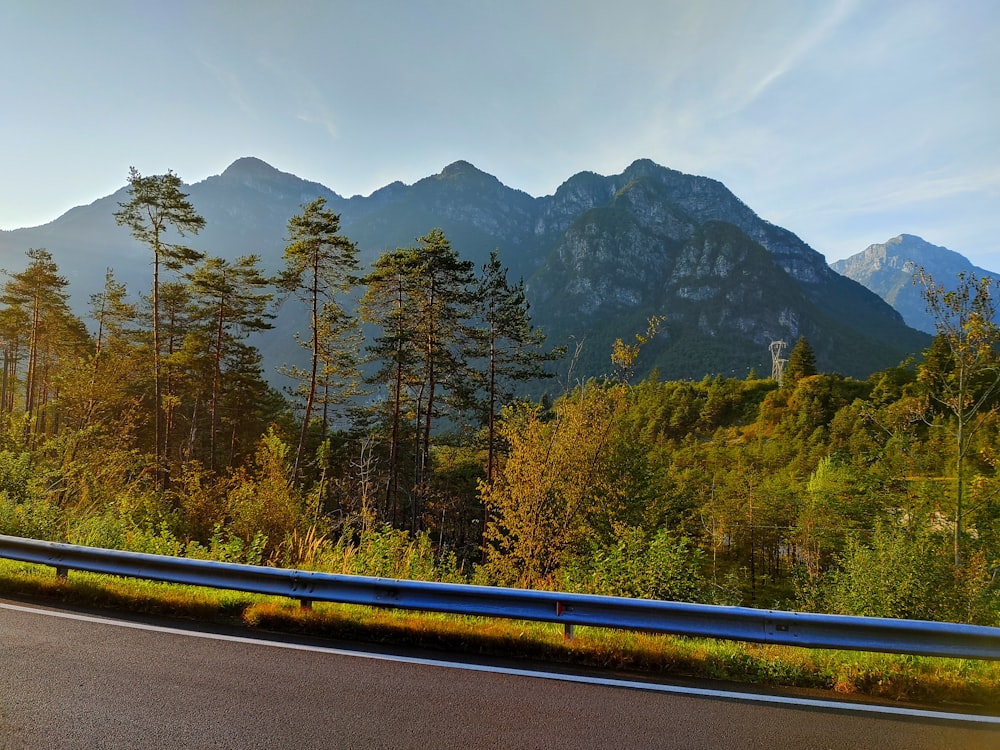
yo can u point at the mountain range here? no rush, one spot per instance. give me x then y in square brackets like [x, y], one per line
[599, 257]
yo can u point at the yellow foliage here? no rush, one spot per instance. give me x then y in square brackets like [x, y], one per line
[555, 481]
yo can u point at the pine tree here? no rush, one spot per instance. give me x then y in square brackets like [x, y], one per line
[114, 347]
[231, 300]
[388, 303]
[155, 207]
[319, 269]
[801, 362]
[508, 342]
[444, 296]
[421, 298]
[36, 301]
[184, 372]
[101, 396]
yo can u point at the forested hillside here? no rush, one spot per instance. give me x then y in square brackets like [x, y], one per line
[149, 426]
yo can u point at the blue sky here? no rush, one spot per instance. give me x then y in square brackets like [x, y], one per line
[844, 121]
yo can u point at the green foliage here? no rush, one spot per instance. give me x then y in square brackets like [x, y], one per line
[827, 493]
[319, 268]
[392, 553]
[837, 501]
[17, 481]
[263, 501]
[136, 519]
[665, 567]
[908, 573]
[225, 546]
[557, 487]
[35, 518]
[510, 345]
[801, 362]
[961, 374]
[25, 510]
[156, 206]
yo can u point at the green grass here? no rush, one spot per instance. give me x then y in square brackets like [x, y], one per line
[948, 683]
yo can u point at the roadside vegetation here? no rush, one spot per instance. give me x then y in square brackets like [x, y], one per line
[947, 684]
[408, 448]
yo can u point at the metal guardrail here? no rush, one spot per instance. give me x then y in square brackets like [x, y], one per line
[804, 629]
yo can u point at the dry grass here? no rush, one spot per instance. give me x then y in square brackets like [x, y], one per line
[971, 684]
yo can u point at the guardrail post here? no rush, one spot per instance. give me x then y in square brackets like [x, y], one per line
[568, 627]
[306, 603]
[62, 572]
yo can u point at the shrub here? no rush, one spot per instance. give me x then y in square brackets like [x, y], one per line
[909, 573]
[665, 567]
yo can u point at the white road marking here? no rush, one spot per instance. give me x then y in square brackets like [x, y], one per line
[816, 703]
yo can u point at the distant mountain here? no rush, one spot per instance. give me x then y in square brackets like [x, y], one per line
[599, 257]
[655, 241]
[888, 270]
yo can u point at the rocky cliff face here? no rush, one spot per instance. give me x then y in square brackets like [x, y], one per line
[600, 256]
[653, 241]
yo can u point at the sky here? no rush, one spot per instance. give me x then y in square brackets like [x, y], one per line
[847, 122]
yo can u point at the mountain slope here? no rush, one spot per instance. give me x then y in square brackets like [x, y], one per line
[600, 256]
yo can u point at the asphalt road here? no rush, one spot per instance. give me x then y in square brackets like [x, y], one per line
[76, 681]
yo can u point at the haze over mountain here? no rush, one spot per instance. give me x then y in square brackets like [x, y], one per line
[599, 256]
[888, 269]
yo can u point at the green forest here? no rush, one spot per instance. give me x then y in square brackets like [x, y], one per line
[406, 443]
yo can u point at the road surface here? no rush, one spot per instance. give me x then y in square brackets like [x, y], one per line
[73, 680]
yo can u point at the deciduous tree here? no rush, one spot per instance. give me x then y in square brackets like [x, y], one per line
[962, 369]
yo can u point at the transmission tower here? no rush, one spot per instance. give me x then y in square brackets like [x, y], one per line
[777, 361]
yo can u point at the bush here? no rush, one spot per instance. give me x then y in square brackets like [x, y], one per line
[35, 518]
[15, 476]
[665, 567]
[263, 502]
[24, 510]
[909, 573]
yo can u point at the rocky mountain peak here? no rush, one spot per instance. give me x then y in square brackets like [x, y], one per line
[249, 169]
[462, 172]
[888, 269]
[255, 177]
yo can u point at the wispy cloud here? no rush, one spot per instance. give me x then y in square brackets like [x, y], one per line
[231, 84]
[930, 187]
[314, 108]
[801, 48]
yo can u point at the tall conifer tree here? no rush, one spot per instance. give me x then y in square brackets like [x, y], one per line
[510, 345]
[156, 207]
[232, 300]
[320, 264]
